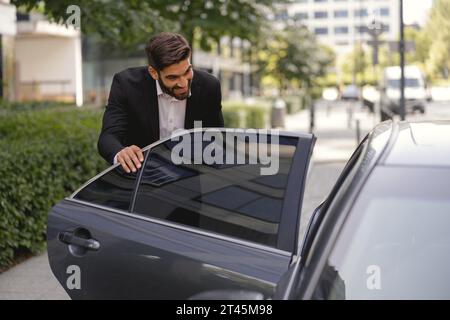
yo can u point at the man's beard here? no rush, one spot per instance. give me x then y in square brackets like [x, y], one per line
[171, 91]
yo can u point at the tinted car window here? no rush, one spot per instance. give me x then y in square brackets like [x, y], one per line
[113, 189]
[310, 223]
[230, 199]
[395, 243]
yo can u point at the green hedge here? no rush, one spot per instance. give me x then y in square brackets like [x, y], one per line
[241, 115]
[9, 106]
[44, 157]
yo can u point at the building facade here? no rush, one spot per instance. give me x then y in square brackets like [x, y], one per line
[341, 24]
[8, 31]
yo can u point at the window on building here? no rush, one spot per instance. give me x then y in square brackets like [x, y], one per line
[320, 14]
[361, 13]
[361, 29]
[340, 13]
[282, 16]
[341, 30]
[321, 31]
[384, 12]
[301, 16]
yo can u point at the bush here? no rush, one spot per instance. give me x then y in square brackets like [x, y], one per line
[44, 157]
[293, 104]
[241, 115]
[9, 106]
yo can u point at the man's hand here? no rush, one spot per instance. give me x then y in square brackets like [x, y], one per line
[130, 158]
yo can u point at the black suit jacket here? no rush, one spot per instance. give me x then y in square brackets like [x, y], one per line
[132, 117]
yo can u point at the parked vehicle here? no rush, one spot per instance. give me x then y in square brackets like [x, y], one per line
[172, 230]
[351, 92]
[416, 92]
[226, 232]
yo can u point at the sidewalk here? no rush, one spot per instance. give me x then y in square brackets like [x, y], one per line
[335, 141]
[31, 280]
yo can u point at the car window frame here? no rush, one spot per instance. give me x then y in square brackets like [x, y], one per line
[321, 210]
[287, 290]
[331, 224]
[287, 230]
[286, 225]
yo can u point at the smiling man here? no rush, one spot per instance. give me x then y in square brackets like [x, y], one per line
[149, 103]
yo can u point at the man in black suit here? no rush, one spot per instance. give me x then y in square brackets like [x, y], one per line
[149, 103]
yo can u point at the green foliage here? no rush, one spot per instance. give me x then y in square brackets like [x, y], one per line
[292, 58]
[438, 34]
[294, 103]
[9, 106]
[241, 115]
[128, 23]
[45, 156]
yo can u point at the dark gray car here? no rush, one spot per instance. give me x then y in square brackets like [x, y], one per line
[384, 231]
[171, 231]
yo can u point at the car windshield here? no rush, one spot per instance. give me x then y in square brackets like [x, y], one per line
[395, 244]
[409, 83]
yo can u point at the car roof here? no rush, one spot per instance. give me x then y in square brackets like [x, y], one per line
[420, 143]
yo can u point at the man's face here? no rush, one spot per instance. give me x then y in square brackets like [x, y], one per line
[176, 79]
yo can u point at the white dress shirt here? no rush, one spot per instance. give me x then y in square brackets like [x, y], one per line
[171, 114]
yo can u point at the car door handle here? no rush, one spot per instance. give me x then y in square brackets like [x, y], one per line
[70, 238]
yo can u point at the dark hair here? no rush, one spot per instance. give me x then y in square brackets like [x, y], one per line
[166, 49]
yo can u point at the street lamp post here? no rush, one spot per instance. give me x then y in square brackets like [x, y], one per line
[375, 29]
[402, 63]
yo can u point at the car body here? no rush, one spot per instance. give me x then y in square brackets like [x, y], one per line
[171, 231]
[416, 93]
[384, 230]
[382, 233]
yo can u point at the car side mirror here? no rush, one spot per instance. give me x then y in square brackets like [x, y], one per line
[228, 295]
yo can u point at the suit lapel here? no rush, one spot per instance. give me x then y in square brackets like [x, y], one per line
[150, 105]
[192, 104]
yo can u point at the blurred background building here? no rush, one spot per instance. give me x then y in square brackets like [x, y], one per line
[43, 60]
[48, 60]
[226, 63]
[341, 23]
[8, 30]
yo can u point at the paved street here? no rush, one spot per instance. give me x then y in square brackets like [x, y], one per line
[33, 279]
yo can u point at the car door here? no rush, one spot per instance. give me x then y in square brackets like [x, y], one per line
[210, 209]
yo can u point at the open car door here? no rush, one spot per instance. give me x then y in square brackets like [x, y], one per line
[210, 209]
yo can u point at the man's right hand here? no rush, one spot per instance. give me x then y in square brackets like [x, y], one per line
[130, 158]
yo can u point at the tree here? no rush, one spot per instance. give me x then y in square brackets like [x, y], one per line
[438, 31]
[292, 57]
[356, 65]
[129, 23]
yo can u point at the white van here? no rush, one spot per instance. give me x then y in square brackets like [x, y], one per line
[415, 90]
